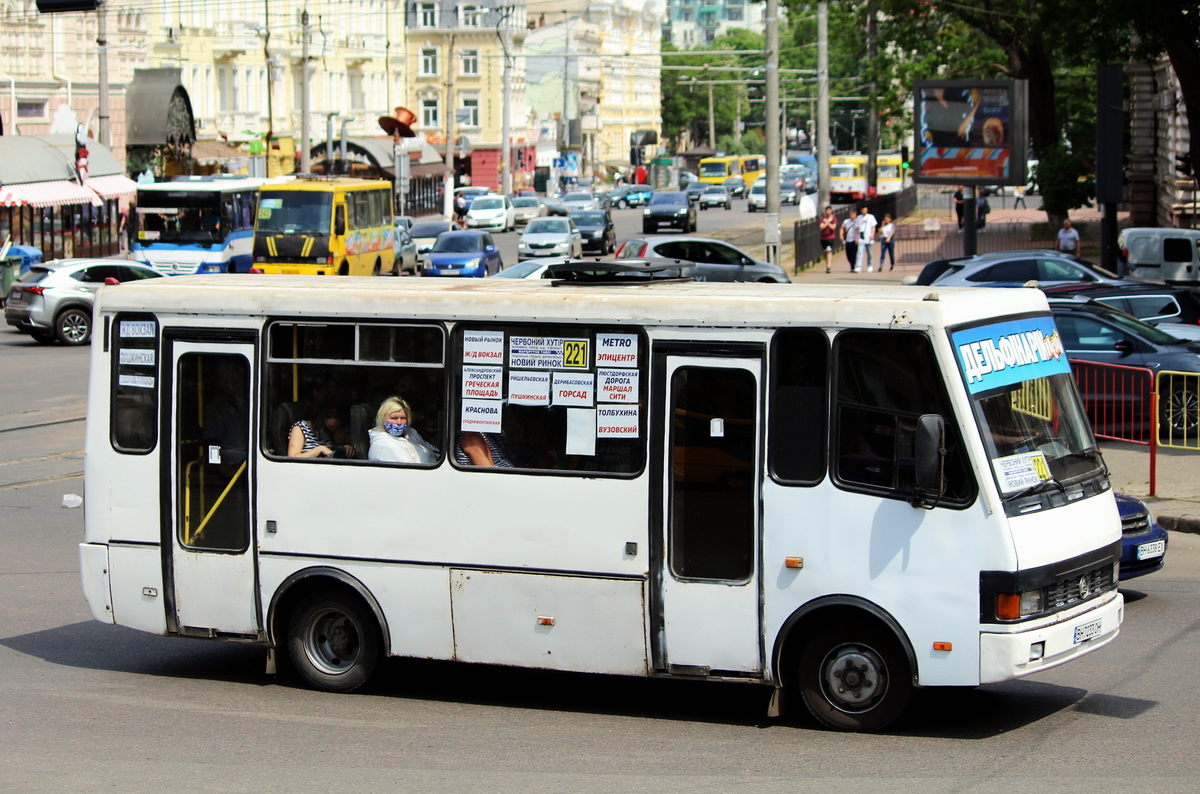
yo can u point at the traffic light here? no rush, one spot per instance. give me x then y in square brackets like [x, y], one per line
[635, 155]
[904, 164]
[1183, 164]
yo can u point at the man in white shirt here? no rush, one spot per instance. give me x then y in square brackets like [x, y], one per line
[865, 223]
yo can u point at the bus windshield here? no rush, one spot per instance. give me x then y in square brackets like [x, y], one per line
[294, 212]
[714, 169]
[180, 218]
[1034, 428]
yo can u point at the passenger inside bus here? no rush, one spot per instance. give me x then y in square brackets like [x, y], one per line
[393, 438]
[481, 449]
[321, 436]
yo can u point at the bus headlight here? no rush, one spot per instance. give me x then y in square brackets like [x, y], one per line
[1012, 606]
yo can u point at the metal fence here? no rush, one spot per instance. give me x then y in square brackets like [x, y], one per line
[806, 235]
[1178, 414]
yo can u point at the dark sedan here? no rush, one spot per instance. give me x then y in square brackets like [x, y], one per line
[670, 208]
[596, 226]
[1143, 540]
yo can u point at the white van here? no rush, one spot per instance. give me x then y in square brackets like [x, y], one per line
[1170, 255]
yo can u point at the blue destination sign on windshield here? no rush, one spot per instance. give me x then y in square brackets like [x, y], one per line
[1002, 354]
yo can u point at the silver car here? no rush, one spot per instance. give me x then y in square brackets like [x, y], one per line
[405, 248]
[527, 208]
[1047, 268]
[715, 260]
[54, 300]
[550, 237]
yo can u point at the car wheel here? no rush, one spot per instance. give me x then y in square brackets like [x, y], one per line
[74, 327]
[854, 677]
[1180, 415]
[333, 641]
[44, 337]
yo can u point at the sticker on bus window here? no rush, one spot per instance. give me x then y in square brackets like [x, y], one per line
[581, 432]
[483, 347]
[617, 385]
[144, 235]
[135, 357]
[1005, 353]
[484, 383]
[618, 421]
[138, 329]
[481, 416]
[572, 388]
[264, 213]
[575, 354]
[271, 204]
[528, 388]
[136, 381]
[1017, 472]
[616, 350]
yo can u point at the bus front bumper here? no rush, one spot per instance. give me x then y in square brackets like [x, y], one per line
[1009, 655]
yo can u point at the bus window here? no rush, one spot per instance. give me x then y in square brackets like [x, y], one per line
[351, 369]
[567, 398]
[799, 405]
[135, 383]
[885, 381]
[292, 211]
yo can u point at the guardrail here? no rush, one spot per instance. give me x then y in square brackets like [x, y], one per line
[1122, 404]
[806, 235]
[1178, 416]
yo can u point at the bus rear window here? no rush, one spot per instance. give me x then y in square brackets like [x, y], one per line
[134, 425]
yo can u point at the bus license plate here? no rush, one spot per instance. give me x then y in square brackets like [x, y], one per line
[1087, 631]
[1148, 551]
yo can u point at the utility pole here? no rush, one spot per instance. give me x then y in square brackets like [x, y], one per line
[102, 73]
[270, 86]
[823, 104]
[305, 132]
[506, 177]
[873, 115]
[771, 230]
[712, 121]
[448, 179]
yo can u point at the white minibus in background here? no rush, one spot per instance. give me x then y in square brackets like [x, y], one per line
[838, 492]
[197, 224]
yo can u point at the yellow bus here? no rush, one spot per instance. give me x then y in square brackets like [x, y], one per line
[716, 170]
[888, 175]
[847, 178]
[753, 166]
[325, 226]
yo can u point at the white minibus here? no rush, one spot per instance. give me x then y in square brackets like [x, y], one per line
[839, 492]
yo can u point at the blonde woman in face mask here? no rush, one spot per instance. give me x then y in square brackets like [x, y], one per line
[391, 439]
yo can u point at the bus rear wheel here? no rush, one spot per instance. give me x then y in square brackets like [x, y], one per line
[333, 641]
[855, 677]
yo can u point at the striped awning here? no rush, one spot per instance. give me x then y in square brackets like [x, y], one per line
[47, 194]
[112, 186]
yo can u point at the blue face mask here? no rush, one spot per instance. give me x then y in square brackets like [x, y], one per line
[395, 430]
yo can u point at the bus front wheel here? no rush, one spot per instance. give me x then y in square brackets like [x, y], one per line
[855, 677]
[333, 641]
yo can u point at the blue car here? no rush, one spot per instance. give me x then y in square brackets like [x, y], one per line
[469, 254]
[1143, 541]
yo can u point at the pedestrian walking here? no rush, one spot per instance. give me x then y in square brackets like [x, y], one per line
[958, 204]
[829, 236]
[849, 236]
[866, 224]
[1020, 199]
[887, 241]
[982, 208]
[1068, 239]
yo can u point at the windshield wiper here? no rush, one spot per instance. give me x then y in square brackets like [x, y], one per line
[1038, 488]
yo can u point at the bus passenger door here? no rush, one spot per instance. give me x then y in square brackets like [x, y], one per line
[211, 573]
[707, 536]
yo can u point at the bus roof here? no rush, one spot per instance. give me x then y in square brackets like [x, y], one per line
[330, 183]
[674, 303]
[202, 186]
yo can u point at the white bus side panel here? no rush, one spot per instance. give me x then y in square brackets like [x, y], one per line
[415, 600]
[137, 587]
[93, 575]
[921, 567]
[555, 622]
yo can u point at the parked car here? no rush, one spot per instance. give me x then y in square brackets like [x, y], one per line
[1143, 540]
[597, 229]
[1095, 332]
[736, 186]
[1167, 254]
[757, 197]
[467, 253]
[579, 200]
[1175, 310]
[530, 268]
[425, 233]
[526, 208]
[670, 208]
[406, 221]
[549, 237]
[694, 190]
[715, 260]
[716, 196]
[492, 212]
[623, 196]
[53, 300]
[1047, 268]
[406, 259]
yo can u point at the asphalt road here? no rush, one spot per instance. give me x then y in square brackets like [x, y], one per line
[89, 706]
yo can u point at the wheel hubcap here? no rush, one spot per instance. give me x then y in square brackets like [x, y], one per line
[74, 327]
[331, 642]
[854, 678]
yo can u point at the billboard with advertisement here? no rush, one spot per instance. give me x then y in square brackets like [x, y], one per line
[970, 132]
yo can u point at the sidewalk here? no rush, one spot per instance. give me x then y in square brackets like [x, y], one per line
[1177, 504]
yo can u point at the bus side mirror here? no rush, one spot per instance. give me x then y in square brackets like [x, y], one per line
[339, 225]
[930, 458]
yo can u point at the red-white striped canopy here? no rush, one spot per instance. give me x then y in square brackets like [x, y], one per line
[47, 194]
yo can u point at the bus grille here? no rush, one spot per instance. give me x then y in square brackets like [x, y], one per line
[1076, 589]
